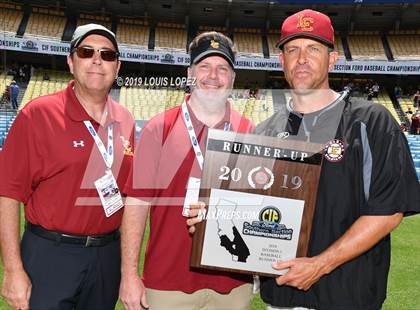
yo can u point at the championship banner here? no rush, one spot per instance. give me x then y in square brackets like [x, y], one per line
[130, 53]
[260, 194]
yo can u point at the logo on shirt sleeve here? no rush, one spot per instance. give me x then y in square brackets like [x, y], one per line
[128, 149]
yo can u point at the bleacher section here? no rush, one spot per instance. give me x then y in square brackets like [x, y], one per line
[339, 46]
[414, 143]
[39, 87]
[146, 103]
[46, 23]
[96, 19]
[133, 31]
[273, 38]
[202, 29]
[255, 109]
[6, 121]
[10, 17]
[405, 45]
[366, 45]
[5, 81]
[385, 100]
[407, 104]
[170, 36]
[248, 41]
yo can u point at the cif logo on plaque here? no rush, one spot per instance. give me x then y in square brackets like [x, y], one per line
[268, 225]
[270, 214]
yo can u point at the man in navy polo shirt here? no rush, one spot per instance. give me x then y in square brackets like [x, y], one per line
[65, 158]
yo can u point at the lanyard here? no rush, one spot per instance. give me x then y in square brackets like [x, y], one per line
[193, 137]
[107, 155]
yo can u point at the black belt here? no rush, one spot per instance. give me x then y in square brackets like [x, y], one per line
[86, 241]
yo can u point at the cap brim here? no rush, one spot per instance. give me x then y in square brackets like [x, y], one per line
[304, 35]
[209, 53]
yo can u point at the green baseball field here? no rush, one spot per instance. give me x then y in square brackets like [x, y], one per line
[404, 278]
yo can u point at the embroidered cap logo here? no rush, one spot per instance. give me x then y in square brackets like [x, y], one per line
[214, 44]
[305, 23]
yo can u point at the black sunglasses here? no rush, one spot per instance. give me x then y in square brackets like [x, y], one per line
[87, 52]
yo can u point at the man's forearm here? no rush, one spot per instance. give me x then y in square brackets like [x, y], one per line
[9, 234]
[360, 237]
[132, 232]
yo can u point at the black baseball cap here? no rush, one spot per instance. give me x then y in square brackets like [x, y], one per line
[210, 47]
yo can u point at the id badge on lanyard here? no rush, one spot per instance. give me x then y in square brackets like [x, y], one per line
[193, 186]
[106, 185]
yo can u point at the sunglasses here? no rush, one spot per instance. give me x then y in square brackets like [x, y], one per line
[87, 52]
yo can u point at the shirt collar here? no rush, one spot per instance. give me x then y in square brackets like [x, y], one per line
[333, 104]
[77, 113]
[220, 125]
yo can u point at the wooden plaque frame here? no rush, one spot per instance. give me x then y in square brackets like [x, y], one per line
[285, 157]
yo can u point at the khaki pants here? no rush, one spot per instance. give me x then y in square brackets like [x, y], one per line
[205, 299]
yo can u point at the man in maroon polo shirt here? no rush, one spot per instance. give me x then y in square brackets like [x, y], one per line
[65, 157]
[168, 160]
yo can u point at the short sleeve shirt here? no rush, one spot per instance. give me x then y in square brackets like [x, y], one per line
[164, 161]
[50, 162]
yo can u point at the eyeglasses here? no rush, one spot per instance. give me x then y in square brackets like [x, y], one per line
[87, 52]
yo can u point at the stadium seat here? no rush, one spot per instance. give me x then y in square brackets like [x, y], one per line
[133, 31]
[145, 103]
[49, 24]
[96, 19]
[404, 46]
[255, 109]
[37, 86]
[366, 45]
[385, 100]
[248, 41]
[170, 36]
[10, 17]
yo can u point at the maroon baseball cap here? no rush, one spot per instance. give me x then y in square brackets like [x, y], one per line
[307, 24]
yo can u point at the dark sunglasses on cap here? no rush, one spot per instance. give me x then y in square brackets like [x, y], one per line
[87, 52]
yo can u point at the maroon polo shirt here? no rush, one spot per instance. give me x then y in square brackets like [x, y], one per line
[163, 162]
[50, 163]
